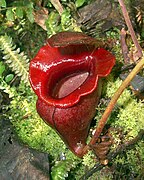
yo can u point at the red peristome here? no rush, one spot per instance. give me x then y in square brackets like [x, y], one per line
[66, 78]
[50, 65]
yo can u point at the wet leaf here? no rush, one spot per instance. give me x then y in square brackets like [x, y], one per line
[10, 15]
[2, 3]
[19, 12]
[2, 68]
[9, 77]
[79, 3]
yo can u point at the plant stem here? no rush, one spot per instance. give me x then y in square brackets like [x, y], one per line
[113, 101]
[124, 47]
[129, 25]
[58, 6]
[124, 84]
[120, 149]
[111, 105]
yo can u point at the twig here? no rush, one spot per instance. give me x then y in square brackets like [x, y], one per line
[124, 45]
[58, 6]
[111, 105]
[124, 84]
[121, 148]
[114, 99]
[40, 17]
[129, 25]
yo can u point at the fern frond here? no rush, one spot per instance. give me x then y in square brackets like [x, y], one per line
[16, 60]
[7, 89]
[61, 169]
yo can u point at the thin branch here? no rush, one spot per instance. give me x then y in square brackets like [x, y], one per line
[124, 47]
[113, 101]
[111, 105]
[129, 25]
[58, 6]
[124, 84]
[40, 17]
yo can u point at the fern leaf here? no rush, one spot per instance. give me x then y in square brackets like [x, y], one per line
[61, 168]
[7, 89]
[16, 60]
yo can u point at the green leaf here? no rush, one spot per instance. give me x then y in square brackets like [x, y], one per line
[19, 12]
[29, 12]
[2, 68]
[61, 168]
[66, 19]
[10, 15]
[2, 3]
[142, 34]
[15, 59]
[52, 23]
[79, 3]
[30, 16]
[9, 77]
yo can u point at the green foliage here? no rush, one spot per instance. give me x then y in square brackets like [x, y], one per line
[29, 12]
[10, 15]
[61, 168]
[6, 88]
[19, 9]
[52, 23]
[4, 80]
[70, 168]
[89, 159]
[79, 3]
[2, 68]
[130, 116]
[9, 77]
[2, 3]
[14, 58]
[19, 12]
[55, 23]
[66, 20]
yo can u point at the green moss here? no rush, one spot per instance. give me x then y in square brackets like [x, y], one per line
[130, 116]
[30, 128]
[89, 159]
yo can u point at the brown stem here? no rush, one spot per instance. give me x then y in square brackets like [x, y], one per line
[121, 148]
[114, 99]
[125, 83]
[58, 6]
[40, 17]
[124, 46]
[129, 25]
[112, 103]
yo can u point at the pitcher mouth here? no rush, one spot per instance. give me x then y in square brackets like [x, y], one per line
[69, 82]
[46, 77]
